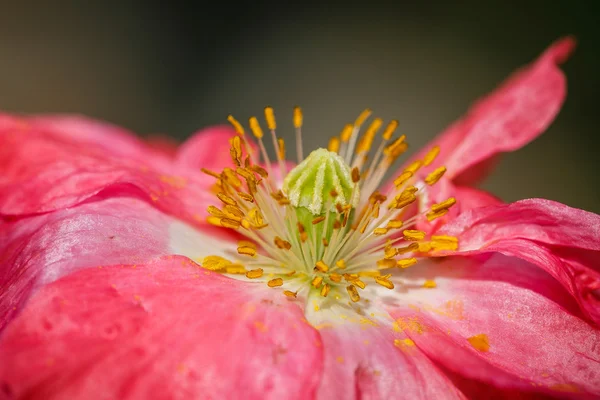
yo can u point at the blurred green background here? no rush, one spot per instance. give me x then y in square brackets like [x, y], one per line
[171, 69]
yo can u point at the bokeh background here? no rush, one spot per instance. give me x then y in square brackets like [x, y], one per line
[171, 68]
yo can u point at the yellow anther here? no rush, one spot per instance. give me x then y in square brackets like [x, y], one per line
[397, 143]
[270, 117]
[216, 221]
[316, 282]
[282, 244]
[247, 243]
[346, 133]
[236, 150]
[408, 249]
[402, 343]
[245, 250]
[275, 282]
[444, 243]
[318, 219]
[233, 212]
[363, 117]
[390, 252]
[334, 144]
[424, 247]
[480, 342]
[236, 269]
[210, 173]
[215, 263]
[435, 215]
[431, 155]
[341, 264]
[413, 235]
[337, 224]
[231, 177]
[246, 197]
[354, 296]
[380, 231]
[325, 242]
[386, 263]
[369, 274]
[367, 140]
[355, 175]
[435, 176]
[236, 125]
[406, 262]
[384, 281]
[321, 266]
[212, 210]
[325, 290]
[414, 166]
[255, 273]
[230, 223]
[359, 283]
[403, 178]
[403, 201]
[255, 128]
[226, 199]
[444, 205]
[390, 129]
[335, 277]
[259, 170]
[297, 118]
[281, 150]
[429, 284]
[290, 294]
[395, 224]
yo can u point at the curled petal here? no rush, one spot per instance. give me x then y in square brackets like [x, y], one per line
[563, 241]
[503, 322]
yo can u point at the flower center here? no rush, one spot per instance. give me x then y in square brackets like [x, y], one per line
[325, 231]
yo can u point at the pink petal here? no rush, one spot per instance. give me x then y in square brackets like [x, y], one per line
[365, 358]
[82, 131]
[513, 115]
[167, 329]
[208, 148]
[503, 322]
[563, 241]
[41, 174]
[40, 249]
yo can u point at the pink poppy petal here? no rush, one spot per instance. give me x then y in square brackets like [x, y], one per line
[563, 241]
[510, 117]
[41, 174]
[83, 131]
[167, 329]
[365, 358]
[501, 321]
[41, 249]
[208, 148]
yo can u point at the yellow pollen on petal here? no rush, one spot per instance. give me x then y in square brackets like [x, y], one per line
[480, 342]
[290, 294]
[429, 284]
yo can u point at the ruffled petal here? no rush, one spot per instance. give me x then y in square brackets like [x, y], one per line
[501, 321]
[561, 240]
[41, 174]
[366, 358]
[512, 116]
[168, 329]
[38, 250]
[208, 148]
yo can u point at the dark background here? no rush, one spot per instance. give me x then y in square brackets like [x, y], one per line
[172, 69]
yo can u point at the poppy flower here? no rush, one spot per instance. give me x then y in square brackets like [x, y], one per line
[133, 271]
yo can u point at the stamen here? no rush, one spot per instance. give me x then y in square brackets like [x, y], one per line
[431, 155]
[407, 262]
[275, 282]
[435, 176]
[290, 294]
[298, 125]
[255, 273]
[325, 290]
[354, 296]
